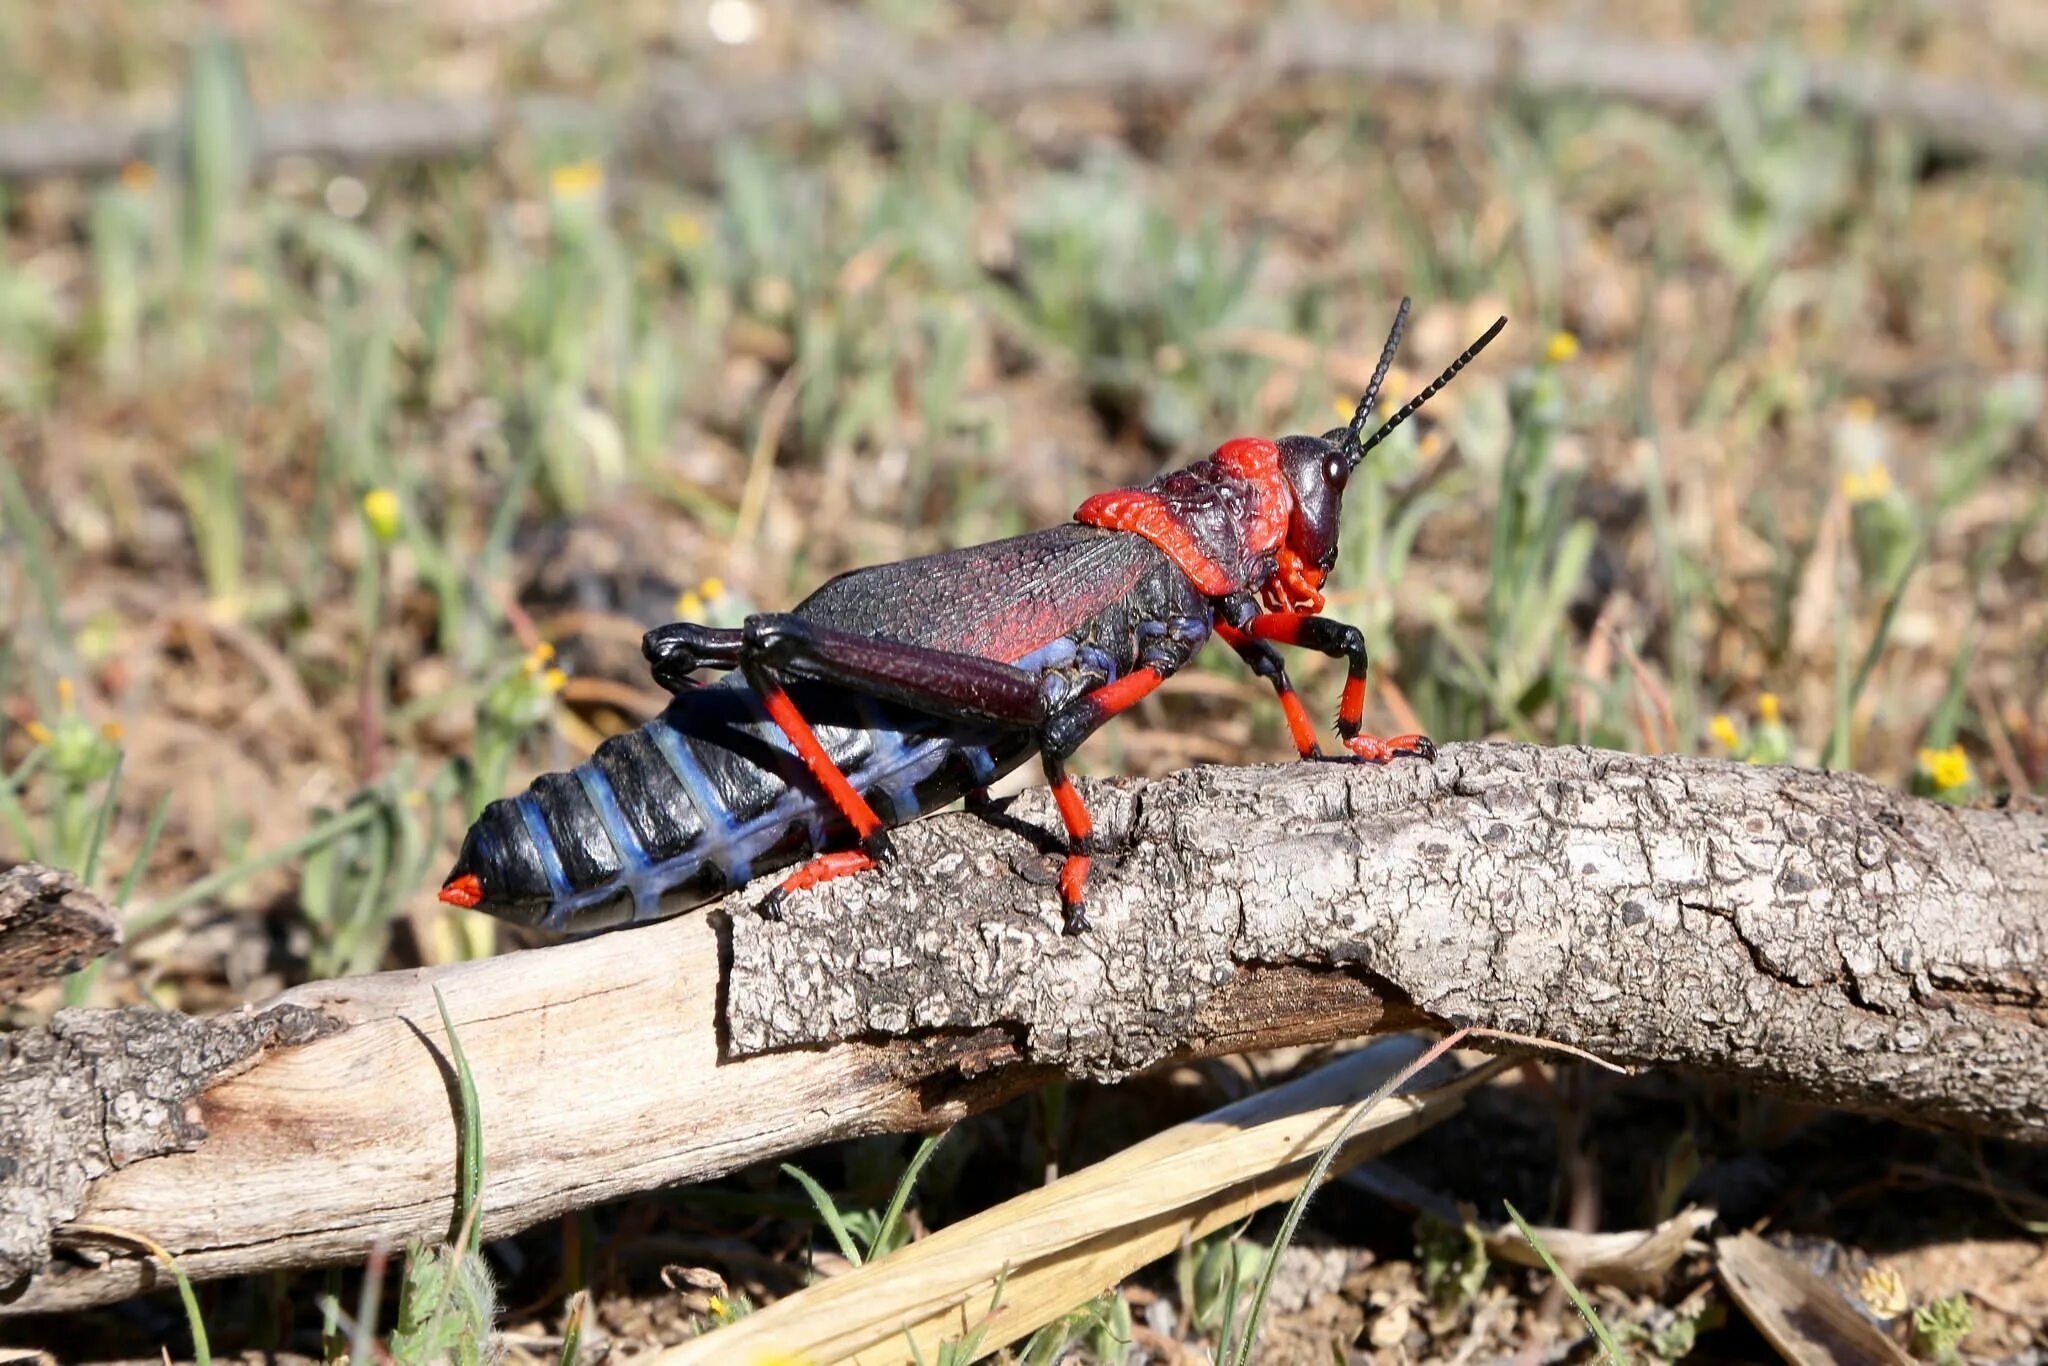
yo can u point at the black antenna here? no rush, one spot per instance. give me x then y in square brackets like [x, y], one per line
[1379, 375]
[1408, 409]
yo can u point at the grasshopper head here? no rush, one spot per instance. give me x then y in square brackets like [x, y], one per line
[1318, 467]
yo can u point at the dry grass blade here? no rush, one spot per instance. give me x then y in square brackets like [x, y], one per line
[1804, 1317]
[1058, 1247]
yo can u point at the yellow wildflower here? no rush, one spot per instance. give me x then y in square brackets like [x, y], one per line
[79, 752]
[381, 510]
[1859, 409]
[684, 230]
[1561, 347]
[1948, 769]
[1767, 707]
[554, 680]
[537, 659]
[692, 603]
[1884, 1292]
[576, 179]
[245, 286]
[1724, 732]
[138, 177]
[716, 1306]
[1866, 485]
[112, 730]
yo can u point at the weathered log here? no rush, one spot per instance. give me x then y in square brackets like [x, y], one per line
[682, 112]
[1811, 933]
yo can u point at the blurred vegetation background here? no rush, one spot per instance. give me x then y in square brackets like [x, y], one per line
[335, 496]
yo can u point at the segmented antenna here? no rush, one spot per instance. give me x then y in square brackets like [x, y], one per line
[1409, 408]
[1379, 375]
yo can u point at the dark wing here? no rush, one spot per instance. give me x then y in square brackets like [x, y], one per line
[1001, 600]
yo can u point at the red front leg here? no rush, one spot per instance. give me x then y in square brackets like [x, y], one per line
[1341, 641]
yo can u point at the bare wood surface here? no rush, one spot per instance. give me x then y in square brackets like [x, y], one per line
[49, 926]
[1813, 933]
[685, 110]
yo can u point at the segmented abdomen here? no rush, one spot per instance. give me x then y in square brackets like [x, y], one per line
[706, 796]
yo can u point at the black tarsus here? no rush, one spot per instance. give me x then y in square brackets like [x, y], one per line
[1409, 408]
[677, 650]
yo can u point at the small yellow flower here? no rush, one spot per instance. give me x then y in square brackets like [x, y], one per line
[537, 659]
[1868, 485]
[245, 286]
[381, 509]
[713, 589]
[113, 731]
[1948, 769]
[79, 751]
[1341, 406]
[684, 230]
[1724, 732]
[576, 179]
[138, 177]
[1884, 1291]
[716, 1306]
[1859, 409]
[1767, 708]
[554, 680]
[689, 605]
[1561, 347]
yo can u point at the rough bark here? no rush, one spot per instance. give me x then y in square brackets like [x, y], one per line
[97, 1090]
[1813, 933]
[685, 111]
[49, 926]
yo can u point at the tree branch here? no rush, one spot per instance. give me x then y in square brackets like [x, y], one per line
[682, 112]
[49, 926]
[1812, 933]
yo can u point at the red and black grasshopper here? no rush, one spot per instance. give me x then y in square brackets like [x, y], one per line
[896, 690]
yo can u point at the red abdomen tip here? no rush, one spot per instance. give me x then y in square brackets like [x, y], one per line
[465, 891]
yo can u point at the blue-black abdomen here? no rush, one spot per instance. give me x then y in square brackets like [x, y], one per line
[704, 797]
